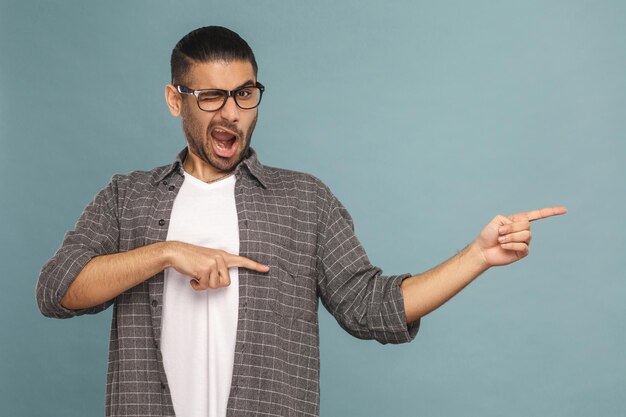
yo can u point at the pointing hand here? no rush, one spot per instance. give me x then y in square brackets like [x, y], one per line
[506, 239]
[208, 267]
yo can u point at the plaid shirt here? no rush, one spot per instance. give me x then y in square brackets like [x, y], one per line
[287, 220]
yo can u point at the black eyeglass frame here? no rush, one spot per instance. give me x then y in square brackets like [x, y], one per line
[225, 93]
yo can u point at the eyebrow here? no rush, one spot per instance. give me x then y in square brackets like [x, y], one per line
[246, 84]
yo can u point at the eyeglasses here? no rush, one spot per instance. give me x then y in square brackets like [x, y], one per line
[246, 98]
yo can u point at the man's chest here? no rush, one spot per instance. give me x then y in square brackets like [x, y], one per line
[275, 227]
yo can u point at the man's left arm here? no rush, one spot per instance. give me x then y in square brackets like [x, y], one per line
[503, 241]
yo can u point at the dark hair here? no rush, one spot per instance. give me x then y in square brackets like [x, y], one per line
[210, 43]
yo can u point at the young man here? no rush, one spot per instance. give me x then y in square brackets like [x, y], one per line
[215, 263]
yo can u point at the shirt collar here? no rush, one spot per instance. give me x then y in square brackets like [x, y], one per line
[254, 167]
[250, 162]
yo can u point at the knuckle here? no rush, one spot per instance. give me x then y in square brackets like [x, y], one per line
[209, 265]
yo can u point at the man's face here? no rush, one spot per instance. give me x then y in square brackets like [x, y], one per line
[221, 138]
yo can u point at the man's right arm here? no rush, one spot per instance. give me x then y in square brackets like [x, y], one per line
[107, 276]
[88, 271]
[97, 233]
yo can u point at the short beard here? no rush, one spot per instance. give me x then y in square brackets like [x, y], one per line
[197, 146]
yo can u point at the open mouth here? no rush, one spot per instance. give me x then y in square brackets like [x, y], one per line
[224, 142]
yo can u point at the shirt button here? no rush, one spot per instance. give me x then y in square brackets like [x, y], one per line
[155, 303]
[163, 385]
[164, 182]
[171, 188]
[161, 222]
[156, 344]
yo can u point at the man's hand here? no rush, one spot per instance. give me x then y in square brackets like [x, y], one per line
[503, 241]
[506, 239]
[208, 267]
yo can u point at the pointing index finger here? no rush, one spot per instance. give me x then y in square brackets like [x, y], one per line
[538, 214]
[240, 261]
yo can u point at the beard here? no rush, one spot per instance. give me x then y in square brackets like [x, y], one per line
[198, 141]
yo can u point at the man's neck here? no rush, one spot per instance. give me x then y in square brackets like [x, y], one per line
[204, 172]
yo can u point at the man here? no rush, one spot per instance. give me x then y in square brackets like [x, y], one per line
[214, 264]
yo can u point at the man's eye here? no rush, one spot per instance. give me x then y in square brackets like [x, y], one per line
[245, 93]
[210, 96]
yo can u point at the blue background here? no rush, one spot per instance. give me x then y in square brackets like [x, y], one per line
[425, 118]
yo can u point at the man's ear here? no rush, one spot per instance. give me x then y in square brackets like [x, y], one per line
[173, 99]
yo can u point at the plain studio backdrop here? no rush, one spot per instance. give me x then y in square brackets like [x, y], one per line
[425, 118]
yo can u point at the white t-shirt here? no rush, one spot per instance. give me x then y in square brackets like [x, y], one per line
[199, 328]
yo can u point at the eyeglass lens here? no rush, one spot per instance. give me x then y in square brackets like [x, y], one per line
[246, 98]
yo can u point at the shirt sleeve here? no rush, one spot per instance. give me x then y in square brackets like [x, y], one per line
[96, 233]
[366, 303]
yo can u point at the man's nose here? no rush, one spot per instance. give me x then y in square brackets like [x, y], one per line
[230, 110]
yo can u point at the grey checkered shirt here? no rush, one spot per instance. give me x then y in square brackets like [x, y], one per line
[287, 220]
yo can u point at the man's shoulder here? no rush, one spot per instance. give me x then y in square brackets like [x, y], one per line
[142, 177]
[136, 183]
[287, 179]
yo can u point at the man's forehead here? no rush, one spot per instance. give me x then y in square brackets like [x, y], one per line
[220, 74]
